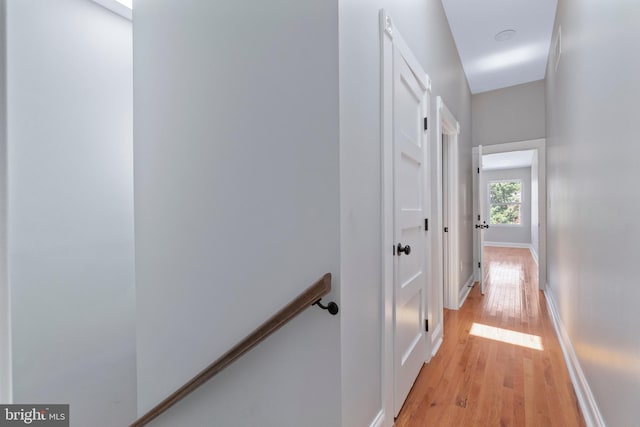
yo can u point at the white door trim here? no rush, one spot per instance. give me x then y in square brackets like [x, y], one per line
[448, 125]
[540, 146]
[391, 39]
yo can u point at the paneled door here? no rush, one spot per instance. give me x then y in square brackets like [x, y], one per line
[410, 236]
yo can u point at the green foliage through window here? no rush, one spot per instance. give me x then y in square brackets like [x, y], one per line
[505, 200]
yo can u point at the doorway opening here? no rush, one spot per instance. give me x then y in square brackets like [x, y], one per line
[509, 202]
[448, 219]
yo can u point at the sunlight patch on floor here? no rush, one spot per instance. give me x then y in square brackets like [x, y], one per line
[507, 336]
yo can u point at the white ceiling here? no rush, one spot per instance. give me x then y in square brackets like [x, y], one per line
[491, 64]
[510, 160]
[120, 7]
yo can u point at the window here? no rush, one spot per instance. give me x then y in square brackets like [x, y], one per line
[505, 202]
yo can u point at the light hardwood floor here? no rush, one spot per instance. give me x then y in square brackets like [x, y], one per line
[488, 371]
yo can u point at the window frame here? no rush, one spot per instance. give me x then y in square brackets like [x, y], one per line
[489, 204]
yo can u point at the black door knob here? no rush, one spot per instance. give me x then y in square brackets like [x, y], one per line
[406, 249]
[479, 226]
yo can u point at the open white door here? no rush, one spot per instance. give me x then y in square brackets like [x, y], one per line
[409, 141]
[481, 224]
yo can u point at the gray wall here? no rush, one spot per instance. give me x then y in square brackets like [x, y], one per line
[593, 231]
[510, 233]
[516, 113]
[5, 315]
[70, 208]
[424, 27]
[236, 206]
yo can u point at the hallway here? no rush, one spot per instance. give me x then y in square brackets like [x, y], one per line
[500, 363]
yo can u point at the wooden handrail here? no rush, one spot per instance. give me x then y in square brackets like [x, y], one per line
[310, 296]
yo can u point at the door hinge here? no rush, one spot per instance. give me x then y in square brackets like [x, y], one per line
[478, 265]
[478, 217]
[426, 325]
[478, 170]
[426, 224]
[426, 125]
[446, 229]
[394, 250]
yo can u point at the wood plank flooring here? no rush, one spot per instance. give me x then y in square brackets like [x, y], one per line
[488, 371]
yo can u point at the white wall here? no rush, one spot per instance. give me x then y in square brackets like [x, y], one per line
[509, 233]
[516, 113]
[236, 204]
[593, 231]
[70, 208]
[424, 27]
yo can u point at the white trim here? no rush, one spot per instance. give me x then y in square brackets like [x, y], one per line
[389, 30]
[386, 24]
[116, 7]
[386, 132]
[436, 339]
[540, 146]
[588, 404]
[378, 421]
[465, 291]
[447, 124]
[534, 254]
[505, 147]
[508, 245]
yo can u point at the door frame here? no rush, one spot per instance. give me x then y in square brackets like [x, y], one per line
[447, 125]
[390, 40]
[540, 146]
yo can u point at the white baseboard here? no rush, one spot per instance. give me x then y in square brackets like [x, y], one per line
[587, 401]
[378, 421]
[534, 254]
[436, 340]
[508, 245]
[436, 347]
[464, 292]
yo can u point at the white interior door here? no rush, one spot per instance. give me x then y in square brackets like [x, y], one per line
[476, 217]
[409, 137]
[482, 224]
[446, 267]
